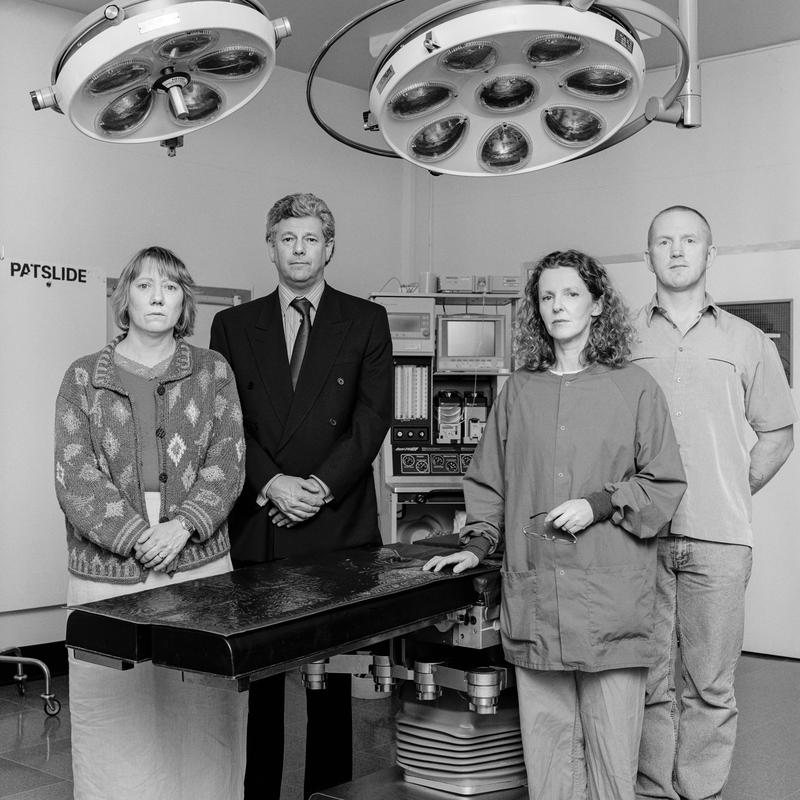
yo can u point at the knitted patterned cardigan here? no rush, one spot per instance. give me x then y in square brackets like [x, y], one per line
[98, 459]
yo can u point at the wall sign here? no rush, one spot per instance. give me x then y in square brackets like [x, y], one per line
[48, 273]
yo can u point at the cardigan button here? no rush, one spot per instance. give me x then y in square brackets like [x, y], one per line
[161, 388]
[160, 432]
[332, 421]
[163, 477]
[340, 381]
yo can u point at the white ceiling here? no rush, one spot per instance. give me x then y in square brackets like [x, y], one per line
[725, 27]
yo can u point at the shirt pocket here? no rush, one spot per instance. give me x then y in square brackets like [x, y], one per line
[650, 352]
[724, 388]
[722, 367]
[659, 365]
[620, 603]
[518, 609]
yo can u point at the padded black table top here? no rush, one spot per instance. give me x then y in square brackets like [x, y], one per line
[265, 619]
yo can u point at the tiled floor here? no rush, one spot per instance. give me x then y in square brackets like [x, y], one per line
[35, 753]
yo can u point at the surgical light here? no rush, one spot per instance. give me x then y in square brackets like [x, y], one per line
[153, 70]
[499, 87]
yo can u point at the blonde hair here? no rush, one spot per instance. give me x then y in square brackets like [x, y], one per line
[169, 266]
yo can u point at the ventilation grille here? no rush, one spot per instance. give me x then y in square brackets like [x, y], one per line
[774, 317]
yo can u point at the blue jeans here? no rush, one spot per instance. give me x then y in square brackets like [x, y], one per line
[687, 747]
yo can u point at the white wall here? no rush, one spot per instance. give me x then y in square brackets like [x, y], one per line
[66, 199]
[741, 168]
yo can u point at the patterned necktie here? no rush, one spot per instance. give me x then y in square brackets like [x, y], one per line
[303, 306]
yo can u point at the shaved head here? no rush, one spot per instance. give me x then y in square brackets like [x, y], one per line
[686, 209]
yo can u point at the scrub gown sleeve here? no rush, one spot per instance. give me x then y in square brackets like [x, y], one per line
[646, 502]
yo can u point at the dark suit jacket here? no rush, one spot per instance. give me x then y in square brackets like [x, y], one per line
[331, 426]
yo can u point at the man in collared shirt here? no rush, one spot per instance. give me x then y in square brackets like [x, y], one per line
[724, 383]
[306, 499]
[313, 368]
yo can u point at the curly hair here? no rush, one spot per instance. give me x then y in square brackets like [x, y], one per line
[610, 334]
[169, 266]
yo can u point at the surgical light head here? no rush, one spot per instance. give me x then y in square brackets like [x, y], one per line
[154, 70]
[497, 87]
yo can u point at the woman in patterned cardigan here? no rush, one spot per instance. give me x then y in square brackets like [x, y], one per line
[149, 459]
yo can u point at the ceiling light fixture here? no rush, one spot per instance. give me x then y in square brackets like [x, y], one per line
[153, 70]
[499, 87]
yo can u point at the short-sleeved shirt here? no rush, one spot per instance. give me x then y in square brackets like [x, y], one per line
[723, 380]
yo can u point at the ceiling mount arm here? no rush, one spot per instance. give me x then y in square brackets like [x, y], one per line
[690, 95]
[685, 108]
[667, 108]
[364, 148]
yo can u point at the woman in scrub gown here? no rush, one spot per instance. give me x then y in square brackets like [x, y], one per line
[577, 472]
[149, 459]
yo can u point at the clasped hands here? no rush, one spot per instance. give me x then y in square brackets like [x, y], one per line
[160, 545]
[572, 516]
[294, 499]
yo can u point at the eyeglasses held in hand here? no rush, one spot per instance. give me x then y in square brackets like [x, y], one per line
[545, 530]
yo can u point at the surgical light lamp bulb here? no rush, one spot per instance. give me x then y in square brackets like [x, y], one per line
[506, 147]
[470, 57]
[553, 48]
[439, 139]
[507, 92]
[572, 126]
[599, 82]
[421, 98]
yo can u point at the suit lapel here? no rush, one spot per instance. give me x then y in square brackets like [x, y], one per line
[269, 353]
[327, 335]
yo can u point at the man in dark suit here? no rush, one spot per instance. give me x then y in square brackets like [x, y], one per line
[314, 371]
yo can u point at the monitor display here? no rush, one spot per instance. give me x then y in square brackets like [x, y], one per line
[473, 337]
[472, 343]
